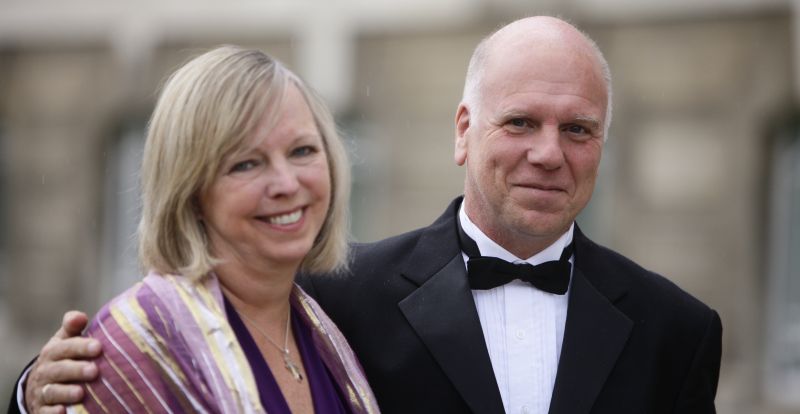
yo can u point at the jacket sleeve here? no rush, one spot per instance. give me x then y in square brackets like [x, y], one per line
[700, 387]
[15, 405]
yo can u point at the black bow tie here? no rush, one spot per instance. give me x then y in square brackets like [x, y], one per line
[490, 272]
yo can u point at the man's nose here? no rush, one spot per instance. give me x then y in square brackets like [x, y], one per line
[282, 180]
[545, 148]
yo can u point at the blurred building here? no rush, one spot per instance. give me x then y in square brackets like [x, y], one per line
[700, 179]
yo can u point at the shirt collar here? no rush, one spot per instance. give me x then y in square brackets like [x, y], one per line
[488, 247]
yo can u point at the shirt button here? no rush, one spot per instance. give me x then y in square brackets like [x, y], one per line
[525, 409]
[520, 334]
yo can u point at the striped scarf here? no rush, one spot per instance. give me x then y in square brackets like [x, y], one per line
[168, 348]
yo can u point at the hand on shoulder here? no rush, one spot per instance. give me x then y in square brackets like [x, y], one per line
[62, 362]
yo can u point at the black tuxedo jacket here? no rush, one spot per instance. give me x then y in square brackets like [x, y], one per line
[634, 342]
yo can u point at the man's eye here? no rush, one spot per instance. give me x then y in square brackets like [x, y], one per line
[244, 166]
[518, 122]
[577, 129]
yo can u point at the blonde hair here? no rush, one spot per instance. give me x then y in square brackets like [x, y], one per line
[207, 110]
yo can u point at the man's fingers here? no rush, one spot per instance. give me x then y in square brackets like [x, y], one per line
[70, 348]
[72, 324]
[52, 409]
[61, 394]
[42, 388]
[63, 359]
[68, 371]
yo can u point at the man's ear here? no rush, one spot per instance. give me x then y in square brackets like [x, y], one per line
[462, 126]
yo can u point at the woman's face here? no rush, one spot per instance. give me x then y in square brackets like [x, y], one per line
[267, 204]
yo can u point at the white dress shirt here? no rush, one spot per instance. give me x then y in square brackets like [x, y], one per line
[523, 327]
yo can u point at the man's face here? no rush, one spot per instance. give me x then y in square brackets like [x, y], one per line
[531, 143]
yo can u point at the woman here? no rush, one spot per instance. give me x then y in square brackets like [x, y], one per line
[245, 183]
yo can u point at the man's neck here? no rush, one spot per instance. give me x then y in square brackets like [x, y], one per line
[489, 246]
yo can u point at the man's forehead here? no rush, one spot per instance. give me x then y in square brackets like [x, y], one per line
[520, 90]
[541, 61]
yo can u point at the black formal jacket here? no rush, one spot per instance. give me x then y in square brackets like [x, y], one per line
[634, 342]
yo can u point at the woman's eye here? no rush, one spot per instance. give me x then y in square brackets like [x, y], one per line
[304, 151]
[244, 166]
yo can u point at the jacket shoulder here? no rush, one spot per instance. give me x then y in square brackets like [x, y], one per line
[646, 293]
[385, 252]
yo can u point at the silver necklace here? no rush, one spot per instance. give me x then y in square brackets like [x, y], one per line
[291, 366]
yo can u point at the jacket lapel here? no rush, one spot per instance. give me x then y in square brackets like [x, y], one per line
[595, 334]
[442, 312]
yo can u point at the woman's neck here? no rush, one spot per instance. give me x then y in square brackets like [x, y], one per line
[261, 295]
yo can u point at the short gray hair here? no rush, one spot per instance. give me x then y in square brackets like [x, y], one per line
[477, 65]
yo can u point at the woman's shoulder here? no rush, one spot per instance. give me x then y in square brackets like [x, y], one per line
[160, 304]
[119, 305]
[132, 306]
[152, 348]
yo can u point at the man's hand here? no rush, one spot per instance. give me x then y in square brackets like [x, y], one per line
[61, 361]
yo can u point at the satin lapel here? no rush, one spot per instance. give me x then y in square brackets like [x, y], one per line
[442, 312]
[595, 334]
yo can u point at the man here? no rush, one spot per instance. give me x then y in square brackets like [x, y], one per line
[529, 131]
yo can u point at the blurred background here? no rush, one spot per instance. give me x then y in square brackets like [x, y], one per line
[700, 179]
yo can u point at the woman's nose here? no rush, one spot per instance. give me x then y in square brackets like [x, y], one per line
[282, 180]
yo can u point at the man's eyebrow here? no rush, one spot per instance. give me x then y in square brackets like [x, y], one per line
[513, 113]
[517, 112]
[587, 119]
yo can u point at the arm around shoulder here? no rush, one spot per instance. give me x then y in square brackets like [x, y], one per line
[50, 380]
[141, 369]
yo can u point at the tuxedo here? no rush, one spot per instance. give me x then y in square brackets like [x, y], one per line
[633, 343]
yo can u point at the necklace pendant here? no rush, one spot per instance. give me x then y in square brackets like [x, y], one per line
[292, 367]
